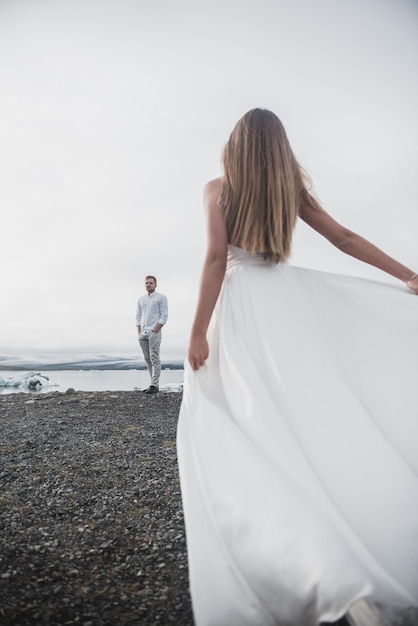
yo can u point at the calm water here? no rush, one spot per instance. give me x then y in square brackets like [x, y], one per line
[97, 380]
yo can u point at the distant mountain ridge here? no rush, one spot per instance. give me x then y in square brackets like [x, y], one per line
[81, 362]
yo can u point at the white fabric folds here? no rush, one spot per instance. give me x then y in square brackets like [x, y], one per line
[298, 449]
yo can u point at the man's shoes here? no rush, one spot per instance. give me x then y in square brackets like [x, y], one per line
[151, 389]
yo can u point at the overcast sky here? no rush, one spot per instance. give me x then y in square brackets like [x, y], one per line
[114, 113]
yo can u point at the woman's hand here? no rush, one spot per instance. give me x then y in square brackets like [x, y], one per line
[412, 283]
[198, 352]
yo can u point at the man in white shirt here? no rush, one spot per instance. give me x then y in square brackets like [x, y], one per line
[151, 315]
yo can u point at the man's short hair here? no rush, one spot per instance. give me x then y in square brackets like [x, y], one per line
[153, 278]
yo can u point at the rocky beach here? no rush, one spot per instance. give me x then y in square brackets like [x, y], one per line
[91, 522]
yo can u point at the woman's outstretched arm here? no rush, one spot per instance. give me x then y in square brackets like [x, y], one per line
[212, 276]
[356, 246]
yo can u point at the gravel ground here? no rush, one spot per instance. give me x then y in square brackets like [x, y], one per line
[91, 521]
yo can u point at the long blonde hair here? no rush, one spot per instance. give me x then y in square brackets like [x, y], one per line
[263, 186]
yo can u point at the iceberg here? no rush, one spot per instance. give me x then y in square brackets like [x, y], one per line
[31, 380]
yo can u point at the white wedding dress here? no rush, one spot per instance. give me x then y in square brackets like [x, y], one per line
[298, 449]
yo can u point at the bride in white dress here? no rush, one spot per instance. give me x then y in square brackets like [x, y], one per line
[298, 431]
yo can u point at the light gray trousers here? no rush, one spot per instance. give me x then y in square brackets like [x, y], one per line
[150, 344]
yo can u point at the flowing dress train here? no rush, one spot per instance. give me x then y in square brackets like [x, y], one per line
[298, 449]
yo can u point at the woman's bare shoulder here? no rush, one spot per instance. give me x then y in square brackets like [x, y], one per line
[211, 195]
[213, 186]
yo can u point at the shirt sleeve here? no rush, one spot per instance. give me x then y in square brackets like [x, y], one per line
[138, 313]
[163, 310]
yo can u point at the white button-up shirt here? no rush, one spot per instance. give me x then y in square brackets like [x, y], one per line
[151, 310]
